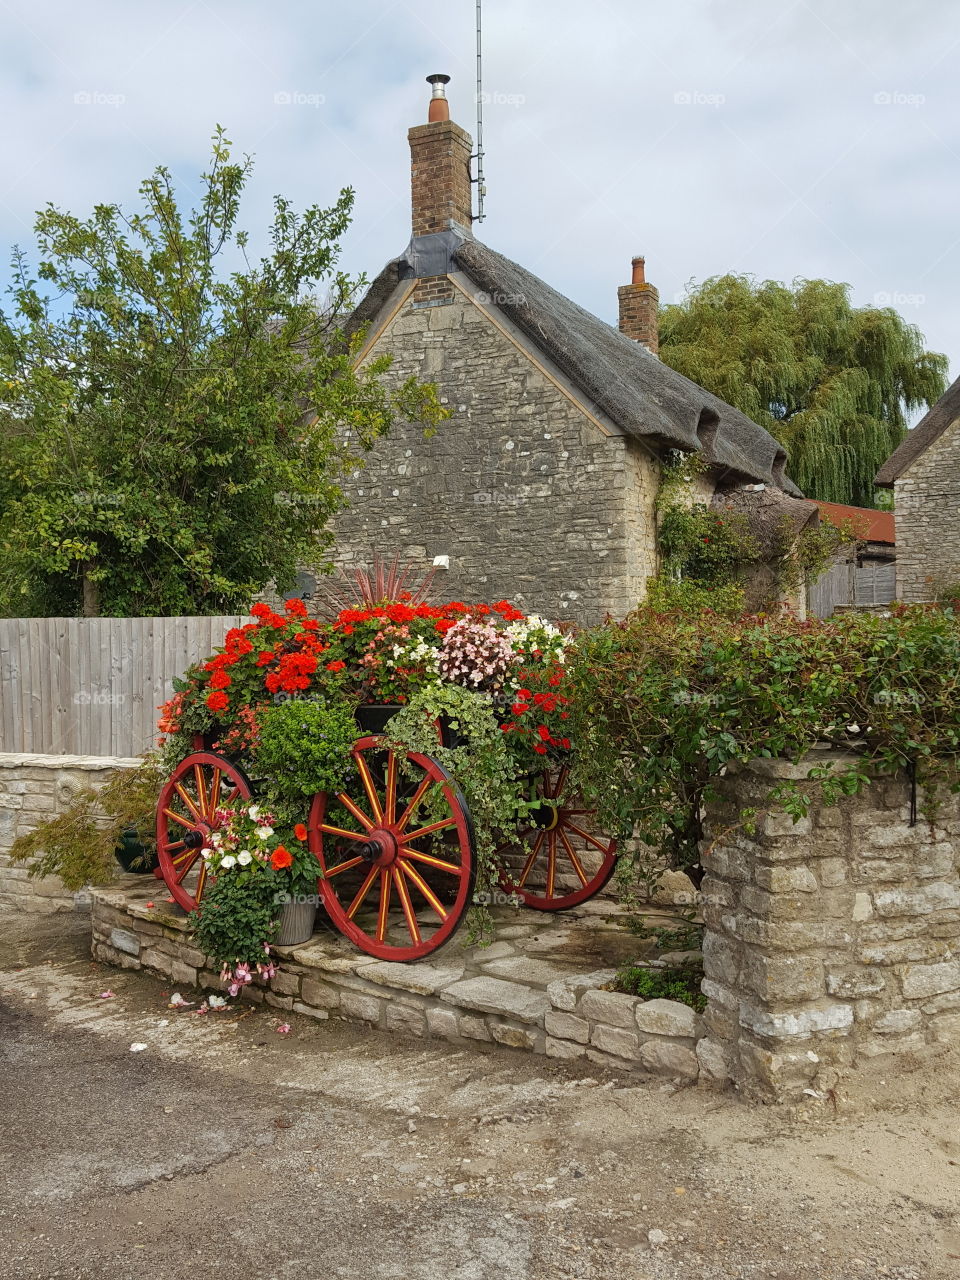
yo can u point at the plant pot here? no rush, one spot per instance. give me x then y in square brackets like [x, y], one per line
[373, 717]
[296, 923]
[134, 855]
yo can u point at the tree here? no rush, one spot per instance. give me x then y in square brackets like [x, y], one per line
[832, 382]
[174, 433]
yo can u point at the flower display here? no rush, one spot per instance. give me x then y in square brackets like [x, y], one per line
[476, 654]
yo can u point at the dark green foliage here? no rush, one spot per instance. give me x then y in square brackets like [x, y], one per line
[832, 382]
[240, 910]
[681, 983]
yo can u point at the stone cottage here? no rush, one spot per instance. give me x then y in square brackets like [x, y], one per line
[541, 485]
[924, 474]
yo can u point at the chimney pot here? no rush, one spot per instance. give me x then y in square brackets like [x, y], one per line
[439, 107]
[638, 275]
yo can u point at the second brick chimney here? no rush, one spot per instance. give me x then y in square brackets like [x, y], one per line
[639, 303]
[440, 168]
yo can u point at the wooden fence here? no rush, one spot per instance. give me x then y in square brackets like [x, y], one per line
[92, 686]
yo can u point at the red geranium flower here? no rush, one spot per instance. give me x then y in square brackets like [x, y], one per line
[336, 666]
[220, 680]
[280, 858]
[544, 732]
[540, 750]
[217, 701]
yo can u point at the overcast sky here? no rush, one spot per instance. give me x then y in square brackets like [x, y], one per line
[784, 138]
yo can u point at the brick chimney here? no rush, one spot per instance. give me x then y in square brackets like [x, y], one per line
[440, 168]
[639, 302]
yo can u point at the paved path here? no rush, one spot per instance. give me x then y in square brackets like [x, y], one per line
[225, 1149]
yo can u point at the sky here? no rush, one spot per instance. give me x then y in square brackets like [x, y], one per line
[779, 138]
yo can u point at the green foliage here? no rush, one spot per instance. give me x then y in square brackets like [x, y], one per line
[78, 845]
[304, 747]
[681, 983]
[833, 383]
[711, 547]
[175, 435]
[666, 595]
[685, 936]
[667, 702]
[240, 911]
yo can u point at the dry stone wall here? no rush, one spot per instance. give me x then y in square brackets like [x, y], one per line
[33, 788]
[830, 940]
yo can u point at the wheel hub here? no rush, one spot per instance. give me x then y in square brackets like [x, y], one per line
[381, 848]
[546, 816]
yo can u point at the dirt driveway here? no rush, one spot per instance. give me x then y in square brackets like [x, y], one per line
[227, 1149]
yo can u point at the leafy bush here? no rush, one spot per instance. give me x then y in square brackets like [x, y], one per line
[304, 747]
[667, 702]
[681, 983]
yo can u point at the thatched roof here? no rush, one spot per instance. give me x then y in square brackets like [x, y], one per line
[929, 429]
[774, 518]
[640, 394]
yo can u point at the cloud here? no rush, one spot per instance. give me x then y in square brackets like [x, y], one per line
[783, 139]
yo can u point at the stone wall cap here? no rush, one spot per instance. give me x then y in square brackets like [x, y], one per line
[38, 760]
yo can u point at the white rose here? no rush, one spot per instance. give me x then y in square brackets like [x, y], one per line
[244, 857]
[264, 832]
[228, 862]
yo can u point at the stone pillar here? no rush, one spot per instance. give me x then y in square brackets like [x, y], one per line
[829, 940]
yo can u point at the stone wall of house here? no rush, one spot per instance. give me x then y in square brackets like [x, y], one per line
[927, 515]
[829, 941]
[524, 493]
[33, 788]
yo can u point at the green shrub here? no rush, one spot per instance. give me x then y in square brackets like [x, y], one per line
[304, 747]
[681, 983]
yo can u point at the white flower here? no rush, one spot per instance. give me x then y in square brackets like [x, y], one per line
[228, 862]
[264, 832]
[254, 812]
[216, 838]
[244, 857]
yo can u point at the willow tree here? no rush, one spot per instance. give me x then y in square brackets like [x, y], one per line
[834, 383]
[176, 419]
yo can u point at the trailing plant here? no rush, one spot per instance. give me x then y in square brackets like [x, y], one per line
[711, 547]
[666, 703]
[681, 983]
[78, 844]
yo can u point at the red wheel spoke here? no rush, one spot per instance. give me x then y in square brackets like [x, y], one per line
[420, 792]
[360, 817]
[431, 861]
[177, 844]
[585, 835]
[362, 892]
[188, 868]
[531, 859]
[182, 857]
[327, 829]
[405, 902]
[571, 854]
[384, 913]
[188, 802]
[413, 874]
[368, 787]
[176, 817]
[390, 806]
[202, 881]
[551, 863]
[560, 783]
[215, 791]
[425, 831]
[342, 866]
[201, 790]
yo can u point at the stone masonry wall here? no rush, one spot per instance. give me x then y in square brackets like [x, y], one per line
[33, 788]
[927, 515]
[527, 496]
[828, 941]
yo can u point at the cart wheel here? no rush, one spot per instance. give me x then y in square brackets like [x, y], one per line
[187, 812]
[396, 851]
[561, 859]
